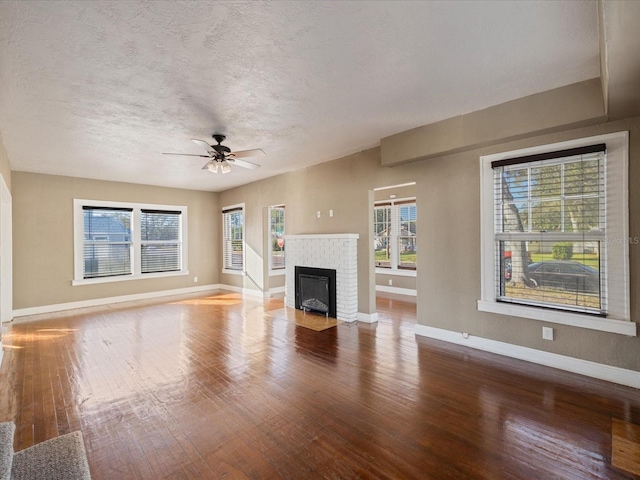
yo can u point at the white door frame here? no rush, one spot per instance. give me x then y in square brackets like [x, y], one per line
[6, 254]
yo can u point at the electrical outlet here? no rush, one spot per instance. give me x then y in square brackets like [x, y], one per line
[547, 333]
[390, 282]
[195, 279]
[465, 335]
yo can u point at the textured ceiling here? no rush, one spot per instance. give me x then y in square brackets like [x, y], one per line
[101, 89]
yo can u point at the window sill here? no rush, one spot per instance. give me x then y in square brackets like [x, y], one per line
[125, 278]
[621, 327]
[233, 272]
[277, 273]
[396, 272]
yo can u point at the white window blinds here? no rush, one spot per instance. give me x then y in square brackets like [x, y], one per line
[233, 238]
[550, 230]
[107, 242]
[161, 246]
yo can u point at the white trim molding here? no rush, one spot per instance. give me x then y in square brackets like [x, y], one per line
[276, 291]
[234, 272]
[6, 254]
[59, 307]
[367, 317]
[397, 290]
[330, 236]
[592, 322]
[251, 292]
[398, 272]
[622, 376]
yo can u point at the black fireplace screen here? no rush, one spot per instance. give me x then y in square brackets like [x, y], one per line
[316, 290]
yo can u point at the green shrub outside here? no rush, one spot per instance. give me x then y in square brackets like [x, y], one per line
[562, 250]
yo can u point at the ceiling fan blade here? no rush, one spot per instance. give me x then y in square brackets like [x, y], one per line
[204, 145]
[243, 163]
[187, 154]
[256, 152]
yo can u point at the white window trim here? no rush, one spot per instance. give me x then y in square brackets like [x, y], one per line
[78, 241]
[617, 251]
[278, 271]
[400, 272]
[395, 221]
[228, 271]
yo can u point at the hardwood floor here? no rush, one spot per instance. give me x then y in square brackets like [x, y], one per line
[217, 387]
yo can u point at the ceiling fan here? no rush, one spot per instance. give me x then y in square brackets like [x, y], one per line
[221, 157]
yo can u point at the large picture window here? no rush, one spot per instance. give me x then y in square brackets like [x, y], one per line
[121, 241]
[395, 234]
[276, 238]
[550, 225]
[555, 235]
[233, 239]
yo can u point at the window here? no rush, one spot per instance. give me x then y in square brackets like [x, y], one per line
[395, 239]
[382, 232]
[233, 239]
[554, 238]
[276, 238]
[550, 216]
[107, 242]
[160, 244]
[407, 236]
[118, 241]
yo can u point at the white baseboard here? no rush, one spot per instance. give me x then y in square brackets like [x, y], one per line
[630, 378]
[244, 291]
[59, 307]
[397, 290]
[1, 354]
[276, 291]
[367, 317]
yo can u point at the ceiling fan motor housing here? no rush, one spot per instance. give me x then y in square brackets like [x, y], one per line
[222, 150]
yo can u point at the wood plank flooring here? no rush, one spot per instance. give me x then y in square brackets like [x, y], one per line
[215, 387]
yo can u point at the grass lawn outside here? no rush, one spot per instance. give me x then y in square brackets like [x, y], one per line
[553, 295]
[406, 259]
[589, 259]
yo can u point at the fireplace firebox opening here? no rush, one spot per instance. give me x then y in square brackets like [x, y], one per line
[316, 290]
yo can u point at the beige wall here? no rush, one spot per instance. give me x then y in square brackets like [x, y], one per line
[396, 280]
[43, 237]
[551, 111]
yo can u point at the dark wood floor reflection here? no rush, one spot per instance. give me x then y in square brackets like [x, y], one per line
[215, 387]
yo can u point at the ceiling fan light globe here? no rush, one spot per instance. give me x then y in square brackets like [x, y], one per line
[213, 167]
[225, 167]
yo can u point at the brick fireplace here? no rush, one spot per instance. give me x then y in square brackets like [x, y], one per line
[337, 252]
